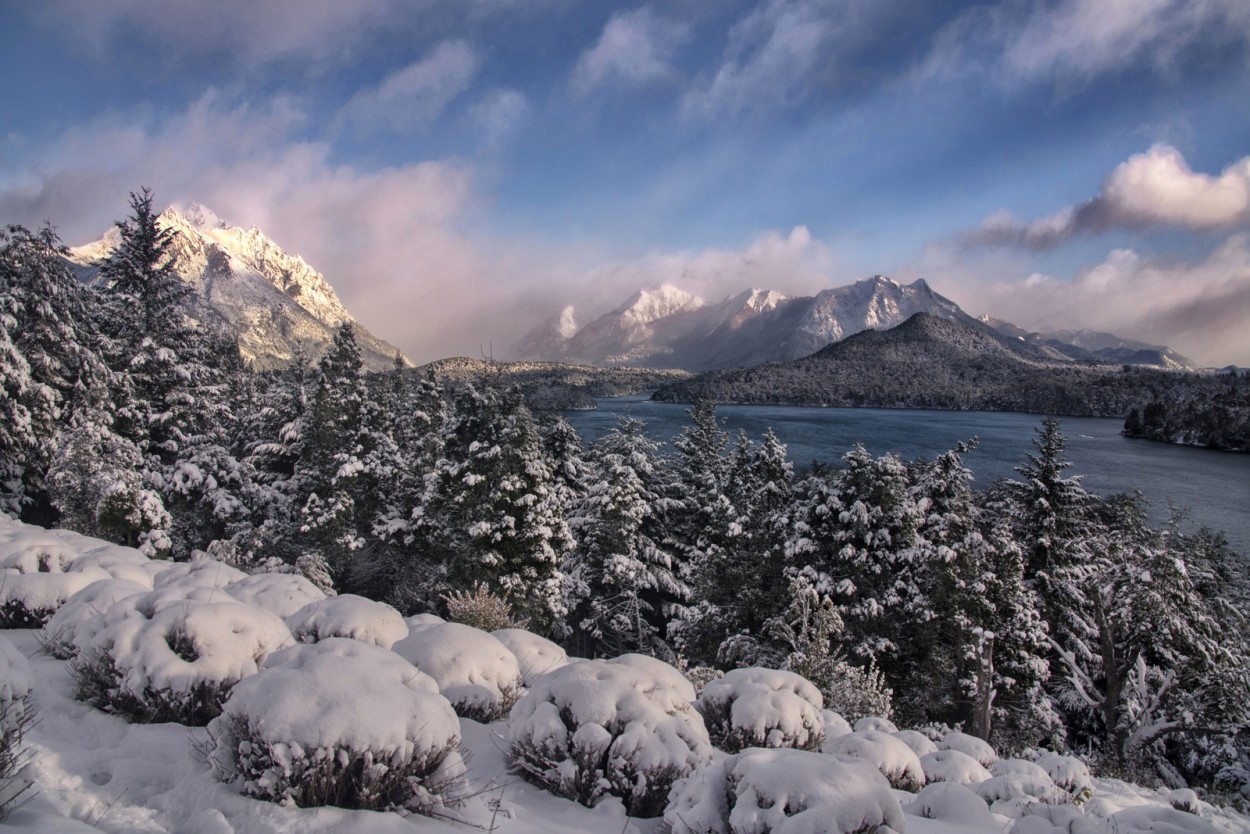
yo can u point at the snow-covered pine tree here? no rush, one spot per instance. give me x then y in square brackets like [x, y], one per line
[620, 574]
[17, 436]
[492, 514]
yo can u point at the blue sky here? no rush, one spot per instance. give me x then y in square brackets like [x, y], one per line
[460, 169]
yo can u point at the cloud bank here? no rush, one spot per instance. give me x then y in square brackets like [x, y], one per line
[635, 49]
[1151, 190]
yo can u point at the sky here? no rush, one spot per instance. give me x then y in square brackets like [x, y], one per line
[460, 170]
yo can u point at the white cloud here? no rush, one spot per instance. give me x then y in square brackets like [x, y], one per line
[415, 96]
[1153, 189]
[497, 115]
[1077, 39]
[635, 49]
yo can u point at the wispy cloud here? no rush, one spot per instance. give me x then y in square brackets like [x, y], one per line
[497, 115]
[635, 49]
[1079, 39]
[415, 96]
[1153, 189]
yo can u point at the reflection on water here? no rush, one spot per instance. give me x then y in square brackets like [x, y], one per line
[1213, 487]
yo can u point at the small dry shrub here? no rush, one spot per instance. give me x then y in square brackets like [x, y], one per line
[482, 609]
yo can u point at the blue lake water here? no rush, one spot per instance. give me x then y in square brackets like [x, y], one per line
[1212, 487]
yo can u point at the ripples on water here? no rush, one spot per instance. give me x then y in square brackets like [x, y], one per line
[1212, 487]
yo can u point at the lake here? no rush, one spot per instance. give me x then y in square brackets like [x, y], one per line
[1212, 487]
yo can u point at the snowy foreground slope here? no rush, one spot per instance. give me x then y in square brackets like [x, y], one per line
[317, 671]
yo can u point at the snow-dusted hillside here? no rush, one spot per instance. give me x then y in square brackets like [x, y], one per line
[311, 697]
[275, 301]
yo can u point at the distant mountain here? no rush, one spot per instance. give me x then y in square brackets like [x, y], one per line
[667, 327]
[940, 363]
[1091, 345]
[275, 302]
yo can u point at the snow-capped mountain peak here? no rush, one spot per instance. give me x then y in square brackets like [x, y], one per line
[658, 302]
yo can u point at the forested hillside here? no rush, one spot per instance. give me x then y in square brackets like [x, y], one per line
[929, 362]
[1033, 614]
[1216, 420]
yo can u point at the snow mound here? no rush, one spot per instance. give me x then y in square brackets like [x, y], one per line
[762, 708]
[1033, 817]
[28, 600]
[536, 655]
[953, 766]
[875, 722]
[29, 549]
[1022, 785]
[278, 593]
[180, 663]
[919, 743]
[1031, 770]
[662, 674]
[953, 803]
[17, 681]
[784, 791]
[422, 620]
[595, 728]
[892, 757]
[474, 670]
[970, 745]
[77, 621]
[835, 726]
[1069, 773]
[304, 731]
[348, 615]
[199, 573]
[1153, 819]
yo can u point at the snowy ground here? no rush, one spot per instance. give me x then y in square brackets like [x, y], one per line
[97, 772]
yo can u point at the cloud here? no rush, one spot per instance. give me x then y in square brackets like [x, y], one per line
[1200, 308]
[1150, 190]
[1079, 39]
[415, 96]
[773, 53]
[635, 49]
[497, 116]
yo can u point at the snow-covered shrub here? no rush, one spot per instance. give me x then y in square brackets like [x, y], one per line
[1185, 799]
[1153, 819]
[661, 673]
[76, 622]
[1032, 817]
[835, 725]
[344, 723]
[970, 745]
[348, 615]
[953, 766]
[701, 676]
[919, 743]
[1028, 784]
[198, 573]
[416, 621]
[16, 683]
[762, 708]
[1069, 773]
[875, 722]
[28, 600]
[536, 655]
[481, 609]
[893, 758]
[179, 663]
[952, 803]
[595, 728]
[473, 670]
[278, 593]
[783, 792]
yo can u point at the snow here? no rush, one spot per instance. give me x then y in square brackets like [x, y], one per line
[953, 766]
[679, 687]
[1069, 773]
[954, 803]
[348, 615]
[892, 757]
[536, 655]
[77, 621]
[41, 594]
[835, 725]
[970, 745]
[762, 708]
[875, 722]
[1016, 785]
[16, 682]
[784, 792]
[279, 593]
[474, 670]
[200, 573]
[919, 743]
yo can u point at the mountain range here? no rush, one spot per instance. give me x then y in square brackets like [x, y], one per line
[666, 327]
[277, 304]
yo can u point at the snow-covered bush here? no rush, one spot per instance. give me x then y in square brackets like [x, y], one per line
[536, 655]
[1069, 773]
[179, 663]
[1022, 784]
[1153, 819]
[970, 745]
[473, 670]
[953, 766]
[344, 723]
[76, 622]
[762, 708]
[835, 725]
[481, 609]
[893, 758]
[198, 573]
[278, 593]
[660, 673]
[701, 676]
[595, 728]
[919, 743]
[875, 722]
[348, 615]
[28, 600]
[783, 792]
[952, 803]
[16, 683]
[1033, 817]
